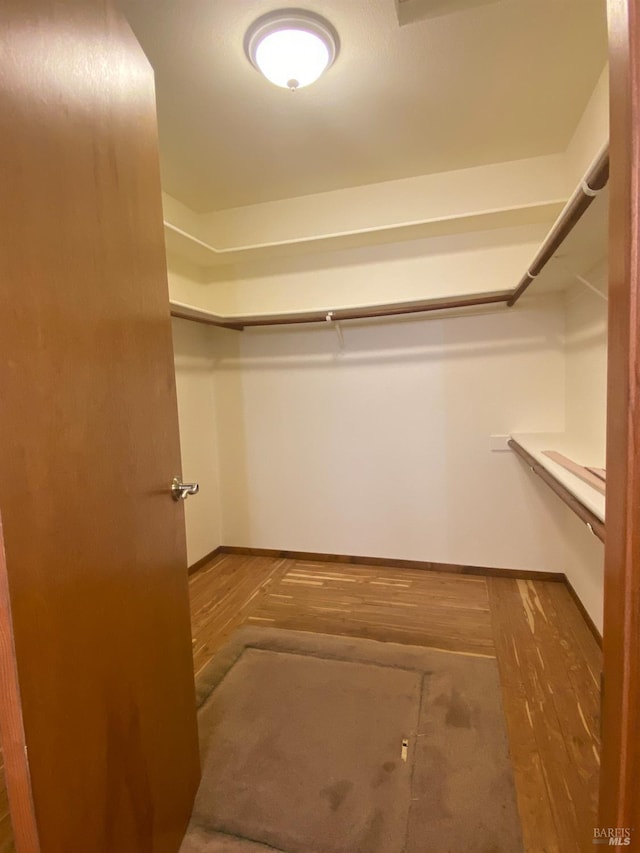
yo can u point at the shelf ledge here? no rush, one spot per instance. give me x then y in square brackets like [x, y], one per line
[183, 244]
[585, 501]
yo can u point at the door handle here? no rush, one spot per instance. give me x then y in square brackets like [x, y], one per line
[180, 491]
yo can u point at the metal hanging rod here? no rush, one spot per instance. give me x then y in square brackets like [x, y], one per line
[594, 181]
[336, 315]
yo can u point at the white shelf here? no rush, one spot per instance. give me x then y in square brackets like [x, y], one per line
[536, 443]
[182, 244]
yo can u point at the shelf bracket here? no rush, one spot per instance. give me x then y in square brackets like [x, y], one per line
[591, 287]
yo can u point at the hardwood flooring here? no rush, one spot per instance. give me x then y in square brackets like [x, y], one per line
[550, 668]
[224, 595]
[403, 606]
[548, 660]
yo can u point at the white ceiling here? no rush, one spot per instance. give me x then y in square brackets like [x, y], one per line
[498, 81]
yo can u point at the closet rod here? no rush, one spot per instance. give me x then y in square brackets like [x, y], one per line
[592, 521]
[335, 315]
[594, 181]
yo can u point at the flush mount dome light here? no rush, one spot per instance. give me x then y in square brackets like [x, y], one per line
[291, 47]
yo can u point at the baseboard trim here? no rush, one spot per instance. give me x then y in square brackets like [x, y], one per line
[585, 613]
[203, 561]
[421, 565]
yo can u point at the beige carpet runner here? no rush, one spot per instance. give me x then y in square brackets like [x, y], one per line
[319, 744]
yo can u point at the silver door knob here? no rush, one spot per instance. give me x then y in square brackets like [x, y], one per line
[180, 491]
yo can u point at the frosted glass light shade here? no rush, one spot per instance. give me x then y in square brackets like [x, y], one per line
[292, 58]
[292, 48]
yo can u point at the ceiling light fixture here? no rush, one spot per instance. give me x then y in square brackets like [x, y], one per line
[291, 47]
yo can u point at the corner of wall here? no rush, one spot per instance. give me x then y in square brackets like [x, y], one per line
[591, 133]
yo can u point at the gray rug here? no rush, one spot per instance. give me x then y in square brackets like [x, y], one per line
[302, 750]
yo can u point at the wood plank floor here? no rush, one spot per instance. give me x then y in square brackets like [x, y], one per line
[404, 606]
[548, 660]
[223, 596]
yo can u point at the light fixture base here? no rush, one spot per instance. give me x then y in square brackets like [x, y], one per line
[283, 20]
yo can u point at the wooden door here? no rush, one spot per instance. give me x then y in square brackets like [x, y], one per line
[94, 545]
[620, 774]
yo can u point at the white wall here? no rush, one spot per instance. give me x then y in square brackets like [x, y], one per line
[383, 450]
[584, 566]
[586, 414]
[591, 133]
[586, 351]
[476, 262]
[198, 435]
